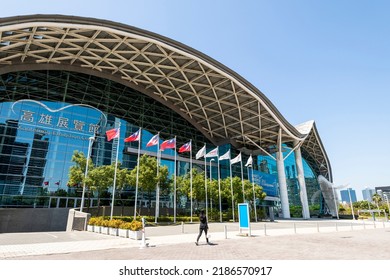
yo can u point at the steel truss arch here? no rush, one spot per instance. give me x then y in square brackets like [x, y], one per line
[221, 104]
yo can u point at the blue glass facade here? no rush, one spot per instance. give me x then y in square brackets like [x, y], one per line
[267, 165]
[38, 139]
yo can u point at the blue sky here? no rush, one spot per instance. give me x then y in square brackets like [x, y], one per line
[323, 60]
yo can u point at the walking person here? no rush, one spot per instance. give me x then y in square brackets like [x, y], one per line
[203, 226]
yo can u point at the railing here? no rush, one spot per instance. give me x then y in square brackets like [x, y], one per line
[25, 201]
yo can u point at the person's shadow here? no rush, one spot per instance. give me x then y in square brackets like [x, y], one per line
[209, 244]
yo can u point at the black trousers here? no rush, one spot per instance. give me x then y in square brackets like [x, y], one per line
[200, 234]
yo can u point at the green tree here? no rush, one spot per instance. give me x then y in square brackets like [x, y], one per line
[122, 181]
[226, 193]
[147, 177]
[61, 193]
[213, 199]
[377, 199]
[198, 187]
[100, 179]
[342, 209]
[77, 171]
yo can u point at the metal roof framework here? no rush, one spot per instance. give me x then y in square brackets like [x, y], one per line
[221, 104]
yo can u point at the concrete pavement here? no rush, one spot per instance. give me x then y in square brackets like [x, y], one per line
[280, 240]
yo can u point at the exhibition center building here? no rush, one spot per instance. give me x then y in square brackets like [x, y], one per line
[65, 79]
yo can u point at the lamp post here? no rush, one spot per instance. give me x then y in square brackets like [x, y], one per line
[335, 202]
[91, 139]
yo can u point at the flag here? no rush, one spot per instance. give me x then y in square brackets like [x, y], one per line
[153, 141]
[112, 133]
[185, 148]
[57, 183]
[212, 153]
[236, 159]
[46, 183]
[201, 152]
[133, 137]
[168, 144]
[225, 156]
[249, 162]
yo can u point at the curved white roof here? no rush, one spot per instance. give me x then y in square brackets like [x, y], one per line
[217, 101]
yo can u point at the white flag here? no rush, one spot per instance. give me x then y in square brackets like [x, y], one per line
[201, 152]
[212, 153]
[225, 156]
[249, 162]
[236, 159]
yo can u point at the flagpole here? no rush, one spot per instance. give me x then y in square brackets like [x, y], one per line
[219, 190]
[158, 182]
[253, 189]
[116, 167]
[191, 174]
[91, 139]
[242, 180]
[254, 195]
[205, 185]
[231, 187]
[174, 186]
[211, 197]
[205, 182]
[136, 180]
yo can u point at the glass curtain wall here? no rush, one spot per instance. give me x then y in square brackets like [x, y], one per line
[267, 165]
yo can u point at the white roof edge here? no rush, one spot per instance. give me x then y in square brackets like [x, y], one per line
[305, 128]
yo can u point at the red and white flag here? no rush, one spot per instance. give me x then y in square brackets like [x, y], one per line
[112, 133]
[153, 141]
[134, 137]
[185, 148]
[168, 144]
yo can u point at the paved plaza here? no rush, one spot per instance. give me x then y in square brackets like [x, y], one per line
[280, 240]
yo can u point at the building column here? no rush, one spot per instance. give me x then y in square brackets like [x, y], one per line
[302, 183]
[282, 179]
[282, 185]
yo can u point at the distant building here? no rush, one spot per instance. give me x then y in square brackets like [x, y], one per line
[345, 195]
[368, 193]
[383, 190]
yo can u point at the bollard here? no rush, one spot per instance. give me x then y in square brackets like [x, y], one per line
[143, 241]
[351, 225]
[383, 224]
[374, 224]
[182, 227]
[364, 224]
[295, 228]
[225, 229]
[265, 229]
[337, 229]
[318, 227]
